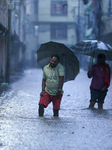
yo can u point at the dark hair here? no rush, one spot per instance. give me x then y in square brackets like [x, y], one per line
[54, 55]
[101, 56]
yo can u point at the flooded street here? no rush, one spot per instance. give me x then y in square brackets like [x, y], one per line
[77, 128]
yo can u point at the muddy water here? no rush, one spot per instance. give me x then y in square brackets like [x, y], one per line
[77, 128]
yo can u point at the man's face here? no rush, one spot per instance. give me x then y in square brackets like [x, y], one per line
[53, 62]
[101, 61]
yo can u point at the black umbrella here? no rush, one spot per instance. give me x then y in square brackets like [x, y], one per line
[67, 58]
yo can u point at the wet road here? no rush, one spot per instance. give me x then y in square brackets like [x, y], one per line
[77, 128]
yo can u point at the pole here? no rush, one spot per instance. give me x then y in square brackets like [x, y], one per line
[78, 25]
[8, 47]
[78, 31]
[99, 19]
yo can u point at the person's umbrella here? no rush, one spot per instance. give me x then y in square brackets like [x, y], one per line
[93, 48]
[67, 58]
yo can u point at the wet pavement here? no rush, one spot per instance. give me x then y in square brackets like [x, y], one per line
[77, 128]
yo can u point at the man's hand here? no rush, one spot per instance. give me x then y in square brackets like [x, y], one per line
[90, 72]
[90, 69]
[42, 93]
[104, 89]
[59, 94]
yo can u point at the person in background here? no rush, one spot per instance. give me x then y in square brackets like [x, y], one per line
[100, 74]
[52, 84]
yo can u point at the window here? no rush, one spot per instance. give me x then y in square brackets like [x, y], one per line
[58, 31]
[59, 8]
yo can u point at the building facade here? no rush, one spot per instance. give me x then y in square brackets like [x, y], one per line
[53, 20]
[3, 39]
[99, 20]
[17, 36]
[12, 37]
[107, 21]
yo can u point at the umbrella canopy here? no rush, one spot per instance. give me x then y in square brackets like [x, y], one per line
[93, 48]
[67, 58]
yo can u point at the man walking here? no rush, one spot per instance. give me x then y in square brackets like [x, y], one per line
[52, 84]
[100, 74]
